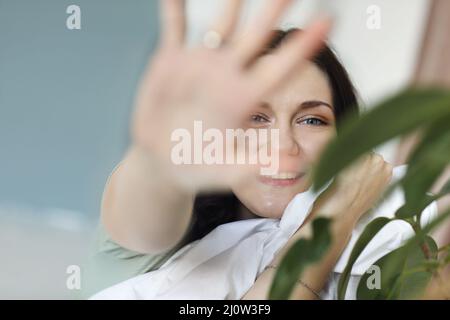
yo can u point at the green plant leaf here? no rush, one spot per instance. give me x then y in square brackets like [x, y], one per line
[404, 211]
[446, 259]
[390, 266]
[432, 264]
[433, 130]
[413, 283]
[411, 109]
[445, 190]
[418, 269]
[407, 210]
[366, 236]
[302, 253]
[405, 272]
[423, 232]
[423, 171]
[432, 246]
[395, 267]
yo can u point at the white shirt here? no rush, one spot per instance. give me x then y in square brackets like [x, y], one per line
[226, 262]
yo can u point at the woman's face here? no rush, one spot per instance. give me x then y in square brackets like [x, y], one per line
[302, 110]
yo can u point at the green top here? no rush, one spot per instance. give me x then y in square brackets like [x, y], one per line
[110, 263]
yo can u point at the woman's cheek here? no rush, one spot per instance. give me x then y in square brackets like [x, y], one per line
[312, 144]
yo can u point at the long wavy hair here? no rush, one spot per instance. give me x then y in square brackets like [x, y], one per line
[212, 210]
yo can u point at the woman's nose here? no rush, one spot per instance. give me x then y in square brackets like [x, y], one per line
[288, 145]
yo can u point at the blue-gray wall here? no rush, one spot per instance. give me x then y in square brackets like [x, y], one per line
[66, 96]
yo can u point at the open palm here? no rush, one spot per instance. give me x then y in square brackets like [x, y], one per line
[218, 86]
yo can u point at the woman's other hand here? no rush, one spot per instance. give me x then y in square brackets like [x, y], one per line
[356, 189]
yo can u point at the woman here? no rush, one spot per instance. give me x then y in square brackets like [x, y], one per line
[286, 81]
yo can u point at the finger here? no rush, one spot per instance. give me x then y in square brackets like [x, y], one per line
[226, 25]
[257, 34]
[173, 22]
[290, 56]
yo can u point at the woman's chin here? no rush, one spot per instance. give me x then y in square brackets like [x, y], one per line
[267, 200]
[272, 210]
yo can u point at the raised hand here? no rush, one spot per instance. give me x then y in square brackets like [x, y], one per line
[217, 83]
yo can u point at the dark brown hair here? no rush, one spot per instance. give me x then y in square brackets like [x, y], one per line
[212, 210]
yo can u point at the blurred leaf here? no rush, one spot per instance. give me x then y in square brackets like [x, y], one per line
[432, 246]
[369, 232]
[411, 109]
[423, 171]
[404, 273]
[404, 211]
[432, 264]
[422, 233]
[446, 259]
[301, 254]
[445, 189]
[421, 236]
[391, 266]
[418, 269]
[413, 283]
[434, 130]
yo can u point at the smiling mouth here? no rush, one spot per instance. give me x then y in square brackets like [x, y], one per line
[283, 179]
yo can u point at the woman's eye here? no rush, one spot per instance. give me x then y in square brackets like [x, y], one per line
[259, 119]
[312, 122]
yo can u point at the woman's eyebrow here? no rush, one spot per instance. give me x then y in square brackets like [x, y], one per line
[304, 105]
[314, 103]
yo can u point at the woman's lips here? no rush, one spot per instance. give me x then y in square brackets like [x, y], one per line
[281, 179]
